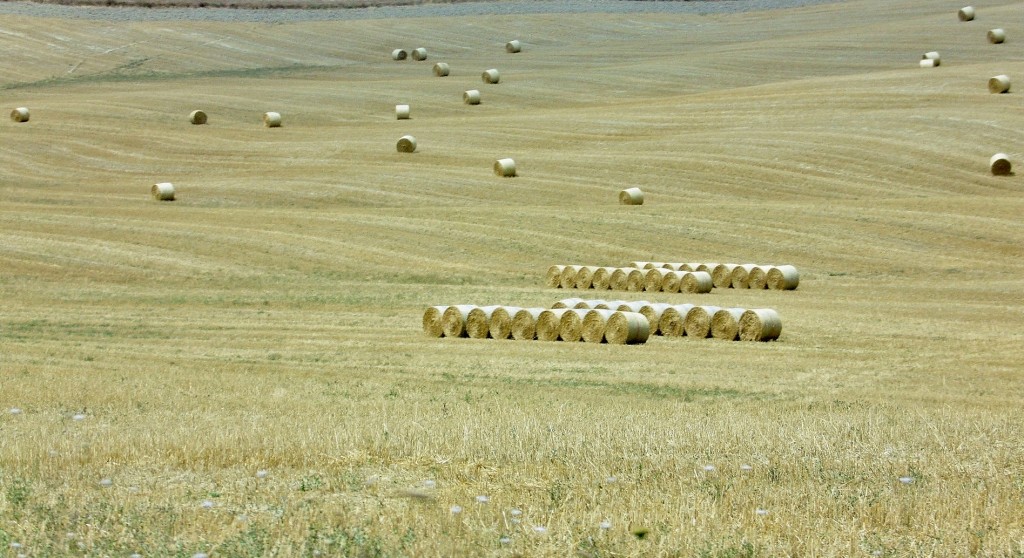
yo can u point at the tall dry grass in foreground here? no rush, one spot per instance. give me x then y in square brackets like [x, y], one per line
[241, 372]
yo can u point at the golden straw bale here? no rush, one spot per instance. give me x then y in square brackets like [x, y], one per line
[674, 266]
[406, 144]
[587, 304]
[999, 164]
[585, 277]
[760, 324]
[996, 36]
[513, 46]
[454, 320]
[567, 302]
[672, 319]
[162, 191]
[570, 327]
[399, 54]
[672, 281]
[419, 54]
[272, 119]
[478, 322]
[691, 267]
[501, 321]
[783, 278]
[631, 196]
[491, 76]
[442, 69]
[471, 97]
[721, 275]
[708, 267]
[758, 278]
[402, 112]
[432, 321]
[697, 323]
[505, 168]
[20, 114]
[619, 277]
[695, 282]
[594, 324]
[636, 280]
[627, 328]
[568, 278]
[640, 265]
[554, 277]
[725, 324]
[524, 324]
[741, 275]
[631, 305]
[999, 84]
[197, 117]
[602, 278]
[653, 312]
[548, 324]
[966, 13]
[654, 278]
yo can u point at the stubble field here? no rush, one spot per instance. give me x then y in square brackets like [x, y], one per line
[241, 372]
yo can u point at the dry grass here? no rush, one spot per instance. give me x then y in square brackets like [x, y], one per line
[268, 320]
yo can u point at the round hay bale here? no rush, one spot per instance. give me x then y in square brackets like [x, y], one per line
[399, 54]
[585, 277]
[928, 63]
[491, 76]
[197, 117]
[588, 304]
[697, 323]
[673, 266]
[419, 54]
[652, 265]
[162, 191]
[501, 321]
[654, 279]
[570, 327]
[630, 305]
[641, 265]
[999, 84]
[454, 320]
[471, 97]
[672, 319]
[594, 324]
[514, 46]
[602, 278]
[933, 55]
[1000, 164]
[996, 36]
[567, 303]
[554, 277]
[402, 112]
[524, 324]
[609, 304]
[20, 114]
[758, 278]
[672, 281]
[568, 278]
[432, 324]
[708, 267]
[725, 324]
[760, 324]
[478, 322]
[619, 278]
[631, 196]
[653, 312]
[636, 280]
[695, 282]
[441, 69]
[505, 167]
[406, 144]
[549, 323]
[272, 119]
[783, 278]
[690, 267]
[741, 276]
[966, 13]
[721, 275]
[627, 328]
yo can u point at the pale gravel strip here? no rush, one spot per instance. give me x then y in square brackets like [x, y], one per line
[459, 9]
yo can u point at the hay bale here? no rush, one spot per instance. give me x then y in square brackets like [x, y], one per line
[758, 278]
[406, 144]
[653, 265]
[653, 312]
[654, 279]
[708, 267]
[399, 54]
[672, 320]
[631, 305]
[760, 324]
[478, 323]
[928, 63]
[441, 69]
[695, 282]
[933, 56]
[272, 119]
[691, 267]
[966, 13]
[20, 114]
[594, 324]
[631, 196]
[673, 266]
[491, 76]
[548, 324]
[999, 84]
[419, 54]
[570, 327]
[585, 277]
[588, 304]
[721, 275]
[197, 117]
[453, 321]
[635, 280]
[672, 281]
[471, 97]
[996, 36]
[641, 265]
[999, 164]
[567, 303]
[432, 324]
[501, 321]
[725, 323]
[162, 191]
[505, 167]
[568, 278]
[741, 276]
[627, 328]
[783, 278]
[610, 304]
[402, 112]
[619, 277]
[697, 322]
[513, 47]
[602, 278]
[554, 277]
[524, 324]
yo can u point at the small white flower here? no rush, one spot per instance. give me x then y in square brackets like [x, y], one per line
[709, 468]
[606, 524]
[71, 536]
[79, 416]
[207, 504]
[135, 555]
[907, 480]
[746, 467]
[261, 474]
[456, 510]
[15, 411]
[481, 499]
[106, 483]
[540, 529]
[15, 545]
[516, 512]
[430, 483]
[504, 540]
[611, 480]
[761, 511]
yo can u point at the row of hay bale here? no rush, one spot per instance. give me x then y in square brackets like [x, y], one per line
[691, 278]
[419, 54]
[600, 321]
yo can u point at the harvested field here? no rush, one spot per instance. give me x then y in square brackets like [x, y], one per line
[244, 371]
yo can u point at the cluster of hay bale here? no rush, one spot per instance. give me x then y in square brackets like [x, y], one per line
[755, 276]
[545, 324]
[418, 54]
[703, 322]
[673, 277]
